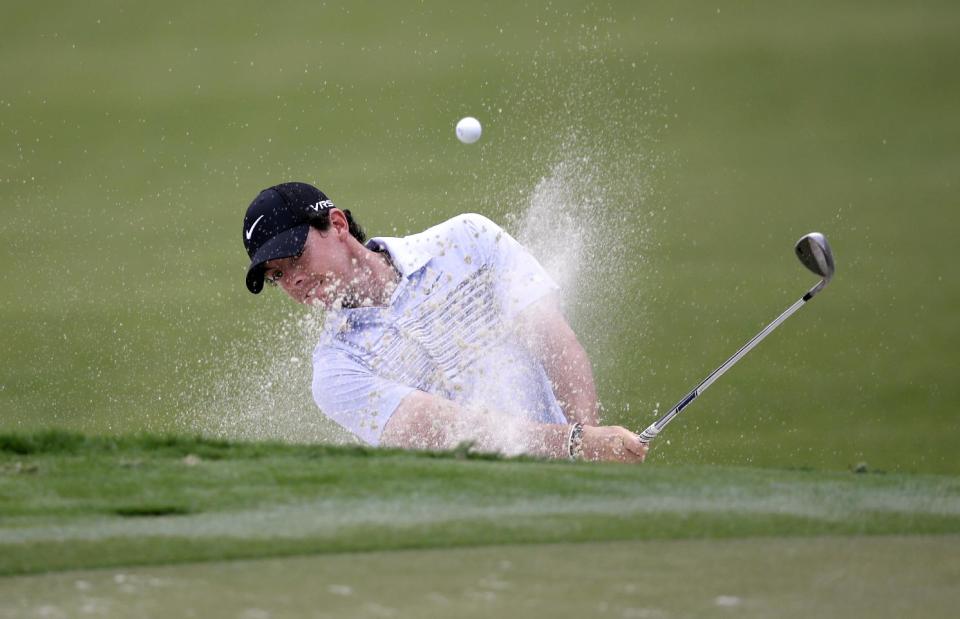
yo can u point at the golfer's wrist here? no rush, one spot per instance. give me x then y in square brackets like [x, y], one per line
[552, 441]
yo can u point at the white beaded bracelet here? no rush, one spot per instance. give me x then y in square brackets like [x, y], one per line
[575, 442]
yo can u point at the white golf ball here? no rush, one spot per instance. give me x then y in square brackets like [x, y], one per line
[468, 130]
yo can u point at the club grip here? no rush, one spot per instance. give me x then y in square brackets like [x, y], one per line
[649, 434]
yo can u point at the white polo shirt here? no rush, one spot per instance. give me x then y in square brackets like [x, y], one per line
[447, 330]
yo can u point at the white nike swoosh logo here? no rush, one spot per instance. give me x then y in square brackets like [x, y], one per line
[249, 232]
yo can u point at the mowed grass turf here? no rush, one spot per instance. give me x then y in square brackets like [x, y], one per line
[850, 577]
[133, 138]
[73, 502]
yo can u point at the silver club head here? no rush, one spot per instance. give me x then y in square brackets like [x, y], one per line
[815, 254]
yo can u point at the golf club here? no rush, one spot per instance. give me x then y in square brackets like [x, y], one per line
[815, 254]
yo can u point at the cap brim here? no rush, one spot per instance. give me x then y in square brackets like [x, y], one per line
[287, 243]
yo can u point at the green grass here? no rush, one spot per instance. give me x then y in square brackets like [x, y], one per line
[69, 501]
[875, 577]
[134, 137]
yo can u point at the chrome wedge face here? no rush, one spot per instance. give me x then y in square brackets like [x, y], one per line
[815, 254]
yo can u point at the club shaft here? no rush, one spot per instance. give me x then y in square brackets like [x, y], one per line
[651, 432]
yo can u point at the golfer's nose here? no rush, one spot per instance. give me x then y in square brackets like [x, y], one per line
[297, 278]
[292, 281]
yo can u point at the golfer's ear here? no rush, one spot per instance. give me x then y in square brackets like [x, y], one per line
[339, 222]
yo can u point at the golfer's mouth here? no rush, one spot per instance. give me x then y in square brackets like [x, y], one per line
[310, 298]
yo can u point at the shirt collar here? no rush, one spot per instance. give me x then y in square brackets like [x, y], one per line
[406, 257]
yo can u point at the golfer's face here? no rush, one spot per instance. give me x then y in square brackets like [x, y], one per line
[319, 275]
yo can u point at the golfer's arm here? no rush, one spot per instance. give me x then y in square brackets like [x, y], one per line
[549, 336]
[425, 421]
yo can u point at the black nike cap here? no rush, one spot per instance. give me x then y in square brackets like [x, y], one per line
[276, 225]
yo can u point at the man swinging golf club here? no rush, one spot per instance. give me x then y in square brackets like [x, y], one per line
[448, 336]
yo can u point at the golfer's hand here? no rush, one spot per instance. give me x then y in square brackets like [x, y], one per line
[612, 444]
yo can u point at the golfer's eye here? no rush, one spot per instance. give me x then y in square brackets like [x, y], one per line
[273, 277]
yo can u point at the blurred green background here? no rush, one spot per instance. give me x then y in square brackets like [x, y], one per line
[680, 151]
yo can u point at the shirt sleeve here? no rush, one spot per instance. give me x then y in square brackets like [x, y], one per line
[520, 279]
[350, 393]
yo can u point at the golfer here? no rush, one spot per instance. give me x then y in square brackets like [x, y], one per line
[448, 336]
